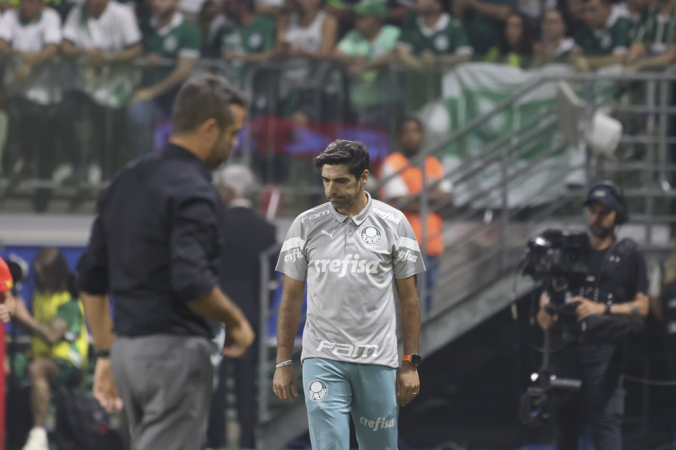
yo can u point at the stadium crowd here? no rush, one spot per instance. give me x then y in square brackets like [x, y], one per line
[121, 64]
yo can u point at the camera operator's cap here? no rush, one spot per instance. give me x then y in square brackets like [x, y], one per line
[604, 195]
[374, 8]
[6, 282]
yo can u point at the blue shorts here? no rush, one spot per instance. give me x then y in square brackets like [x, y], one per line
[334, 390]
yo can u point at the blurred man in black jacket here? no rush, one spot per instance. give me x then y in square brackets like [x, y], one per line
[247, 236]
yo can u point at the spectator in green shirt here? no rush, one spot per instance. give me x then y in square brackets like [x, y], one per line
[432, 38]
[554, 47]
[366, 51]
[250, 38]
[516, 46]
[172, 46]
[483, 20]
[604, 38]
[654, 43]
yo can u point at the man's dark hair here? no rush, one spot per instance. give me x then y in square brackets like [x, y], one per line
[53, 273]
[352, 153]
[202, 98]
[402, 123]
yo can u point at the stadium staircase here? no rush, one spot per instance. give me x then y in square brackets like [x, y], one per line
[527, 180]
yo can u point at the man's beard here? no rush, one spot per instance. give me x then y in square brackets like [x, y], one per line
[347, 201]
[601, 232]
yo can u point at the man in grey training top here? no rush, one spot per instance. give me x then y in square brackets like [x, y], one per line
[354, 252]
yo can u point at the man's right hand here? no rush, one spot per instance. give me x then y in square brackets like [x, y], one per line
[544, 319]
[238, 338]
[284, 383]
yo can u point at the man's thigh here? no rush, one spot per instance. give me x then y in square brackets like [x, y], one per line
[375, 410]
[328, 397]
[167, 382]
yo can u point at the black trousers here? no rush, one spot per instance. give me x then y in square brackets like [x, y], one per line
[246, 377]
[600, 402]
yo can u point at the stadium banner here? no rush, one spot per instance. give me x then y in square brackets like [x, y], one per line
[474, 89]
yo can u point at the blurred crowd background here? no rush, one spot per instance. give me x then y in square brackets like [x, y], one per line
[87, 85]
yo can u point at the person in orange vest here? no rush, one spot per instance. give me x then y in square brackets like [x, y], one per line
[409, 181]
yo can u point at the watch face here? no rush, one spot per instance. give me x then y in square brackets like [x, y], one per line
[415, 360]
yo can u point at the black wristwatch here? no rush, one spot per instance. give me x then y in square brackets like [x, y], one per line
[101, 354]
[413, 359]
[608, 311]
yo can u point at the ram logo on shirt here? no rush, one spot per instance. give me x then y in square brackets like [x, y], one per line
[349, 349]
[351, 263]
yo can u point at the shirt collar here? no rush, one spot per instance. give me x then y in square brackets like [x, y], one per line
[175, 21]
[174, 151]
[359, 218]
[442, 23]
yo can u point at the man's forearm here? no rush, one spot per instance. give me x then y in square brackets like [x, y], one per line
[656, 62]
[597, 62]
[287, 324]
[176, 77]
[410, 324]
[97, 312]
[499, 12]
[45, 54]
[127, 54]
[218, 307]
[448, 60]
[636, 308]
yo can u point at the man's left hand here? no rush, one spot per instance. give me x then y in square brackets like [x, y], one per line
[586, 308]
[105, 389]
[408, 383]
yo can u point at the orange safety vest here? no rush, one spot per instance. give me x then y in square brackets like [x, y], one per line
[412, 176]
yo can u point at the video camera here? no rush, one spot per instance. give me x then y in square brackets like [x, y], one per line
[559, 261]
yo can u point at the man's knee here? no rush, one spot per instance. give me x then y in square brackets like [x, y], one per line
[42, 369]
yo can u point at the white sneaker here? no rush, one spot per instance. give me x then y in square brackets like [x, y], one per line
[37, 440]
[62, 173]
[94, 174]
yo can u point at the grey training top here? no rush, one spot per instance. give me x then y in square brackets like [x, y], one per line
[350, 265]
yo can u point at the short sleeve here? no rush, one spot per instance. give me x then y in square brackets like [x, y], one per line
[71, 29]
[395, 186]
[621, 36]
[192, 41]
[292, 258]
[408, 259]
[639, 268]
[270, 36]
[6, 27]
[52, 27]
[406, 38]
[70, 313]
[346, 45]
[131, 34]
[462, 44]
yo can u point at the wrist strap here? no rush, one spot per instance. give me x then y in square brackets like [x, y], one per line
[102, 353]
[285, 363]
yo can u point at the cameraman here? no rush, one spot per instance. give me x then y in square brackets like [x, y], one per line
[616, 285]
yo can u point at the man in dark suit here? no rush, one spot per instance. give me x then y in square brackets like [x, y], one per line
[248, 236]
